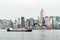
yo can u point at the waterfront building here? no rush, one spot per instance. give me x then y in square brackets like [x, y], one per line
[46, 17]
[55, 20]
[49, 23]
[58, 21]
[22, 22]
[4, 23]
[36, 21]
[36, 25]
[58, 25]
[42, 13]
[15, 24]
[18, 23]
[46, 21]
[27, 23]
[40, 18]
[1, 23]
[8, 23]
[11, 24]
[31, 22]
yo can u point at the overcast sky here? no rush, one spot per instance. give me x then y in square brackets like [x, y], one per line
[12, 9]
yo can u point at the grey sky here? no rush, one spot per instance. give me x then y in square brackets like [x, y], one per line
[12, 9]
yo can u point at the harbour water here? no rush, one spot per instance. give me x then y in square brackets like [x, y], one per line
[34, 35]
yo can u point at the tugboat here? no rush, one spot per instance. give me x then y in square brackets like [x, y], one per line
[18, 30]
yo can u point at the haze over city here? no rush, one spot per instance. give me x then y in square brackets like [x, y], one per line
[13, 9]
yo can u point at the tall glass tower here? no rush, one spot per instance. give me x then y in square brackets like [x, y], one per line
[22, 22]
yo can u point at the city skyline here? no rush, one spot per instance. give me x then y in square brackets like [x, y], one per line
[13, 9]
[42, 21]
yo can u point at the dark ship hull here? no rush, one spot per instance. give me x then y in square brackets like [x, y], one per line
[15, 30]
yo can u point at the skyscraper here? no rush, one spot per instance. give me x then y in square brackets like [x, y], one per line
[11, 24]
[54, 22]
[40, 18]
[18, 22]
[31, 22]
[27, 23]
[15, 24]
[42, 13]
[22, 22]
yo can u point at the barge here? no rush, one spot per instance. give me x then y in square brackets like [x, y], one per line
[19, 30]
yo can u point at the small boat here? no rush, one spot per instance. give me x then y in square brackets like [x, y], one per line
[19, 30]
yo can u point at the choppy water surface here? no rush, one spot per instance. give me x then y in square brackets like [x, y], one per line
[34, 35]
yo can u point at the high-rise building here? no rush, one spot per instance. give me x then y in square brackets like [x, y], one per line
[40, 18]
[49, 23]
[4, 23]
[22, 22]
[55, 22]
[18, 23]
[36, 25]
[1, 23]
[57, 19]
[15, 24]
[36, 21]
[11, 24]
[42, 13]
[27, 23]
[31, 22]
[59, 25]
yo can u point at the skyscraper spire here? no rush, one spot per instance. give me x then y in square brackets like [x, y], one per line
[42, 13]
[40, 18]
